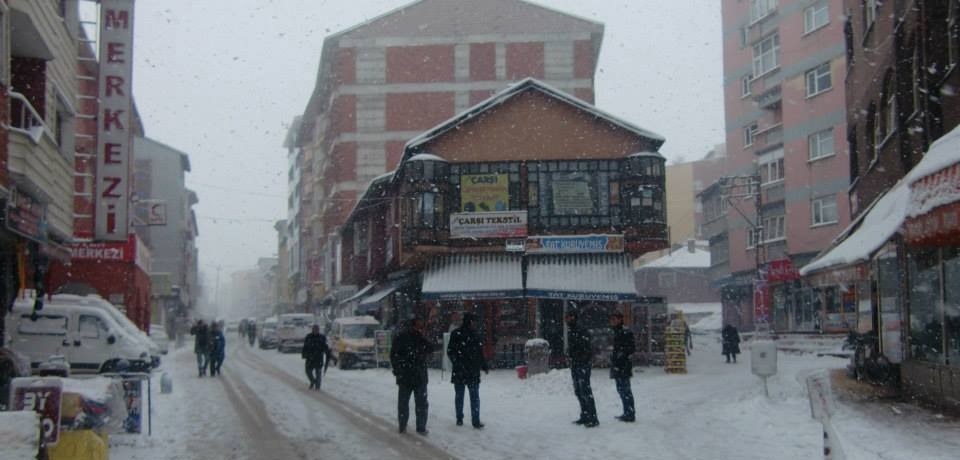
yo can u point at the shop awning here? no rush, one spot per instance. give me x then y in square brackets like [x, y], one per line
[372, 301]
[934, 207]
[473, 276]
[605, 277]
[359, 294]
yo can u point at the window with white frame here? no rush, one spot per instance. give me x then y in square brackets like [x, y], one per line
[752, 237]
[823, 210]
[760, 9]
[749, 133]
[745, 85]
[774, 228]
[818, 79]
[766, 55]
[771, 167]
[816, 16]
[820, 144]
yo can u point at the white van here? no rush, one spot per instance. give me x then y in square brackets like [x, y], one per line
[90, 339]
[292, 328]
[352, 340]
[268, 333]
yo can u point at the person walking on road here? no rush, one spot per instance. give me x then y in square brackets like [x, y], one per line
[200, 334]
[317, 354]
[580, 354]
[466, 356]
[731, 342]
[408, 357]
[252, 332]
[216, 349]
[621, 365]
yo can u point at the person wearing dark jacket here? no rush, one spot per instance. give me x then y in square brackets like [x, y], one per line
[317, 354]
[216, 347]
[731, 342]
[621, 365]
[408, 358]
[580, 354]
[200, 334]
[466, 355]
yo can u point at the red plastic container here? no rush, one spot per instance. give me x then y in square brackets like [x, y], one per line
[522, 372]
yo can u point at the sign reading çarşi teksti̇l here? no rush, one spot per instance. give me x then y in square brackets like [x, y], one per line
[506, 224]
[575, 244]
[114, 120]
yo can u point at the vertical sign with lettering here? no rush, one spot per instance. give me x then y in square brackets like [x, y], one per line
[114, 120]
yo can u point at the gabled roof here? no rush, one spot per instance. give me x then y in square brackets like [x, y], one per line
[428, 18]
[529, 84]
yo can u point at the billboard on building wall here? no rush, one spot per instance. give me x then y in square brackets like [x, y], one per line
[572, 244]
[114, 120]
[505, 224]
[484, 192]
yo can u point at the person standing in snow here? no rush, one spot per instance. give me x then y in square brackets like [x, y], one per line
[687, 338]
[580, 353]
[252, 332]
[216, 349]
[466, 356]
[731, 342]
[621, 365]
[200, 334]
[408, 358]
[317, 354]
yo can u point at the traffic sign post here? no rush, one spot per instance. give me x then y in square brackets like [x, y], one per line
[41, 395]
[822, 407]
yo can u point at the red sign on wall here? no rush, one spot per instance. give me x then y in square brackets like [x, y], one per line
[41, 395]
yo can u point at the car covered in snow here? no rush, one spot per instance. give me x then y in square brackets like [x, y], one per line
[292, 328]
[352, 341]
[268, 333]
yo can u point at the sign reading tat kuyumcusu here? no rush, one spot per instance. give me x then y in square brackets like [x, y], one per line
[569, 244]
[505, 224]
[114, 120]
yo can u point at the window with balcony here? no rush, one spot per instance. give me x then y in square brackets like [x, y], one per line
[818, 80]
[771, 167]
[749, 133]
[823, 210]
[774, 228]
[766, 55]
[820, 144]
[816, 16]
[760, 9]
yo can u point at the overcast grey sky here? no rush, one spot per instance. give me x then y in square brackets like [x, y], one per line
[219, 79]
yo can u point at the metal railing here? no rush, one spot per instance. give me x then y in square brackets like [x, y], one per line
[24, 118]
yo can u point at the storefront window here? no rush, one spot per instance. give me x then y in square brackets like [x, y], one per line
[888, 290]
[951, 305]
[573, 193]
[926, 329]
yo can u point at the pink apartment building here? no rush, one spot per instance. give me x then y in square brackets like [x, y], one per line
[784, 68]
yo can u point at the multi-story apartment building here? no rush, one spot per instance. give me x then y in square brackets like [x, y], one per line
[284, 295]
[784, 64]
[899, 257]
[387, 80]
[294, 261]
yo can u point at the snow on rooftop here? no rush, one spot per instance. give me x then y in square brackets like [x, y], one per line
[681, 258]
[96, 389]
[357, 320]
[426, 157]
[881, 222]
[19, 434]
[944, 153]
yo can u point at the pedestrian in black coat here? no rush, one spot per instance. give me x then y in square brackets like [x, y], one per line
[466, 355]
[731, 342]
[317, 354]
[621, 365]
[580, 354]
[201, 336]
[408, 357]
[216, 349]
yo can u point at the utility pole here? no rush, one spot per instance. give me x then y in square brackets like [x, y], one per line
[735, 191]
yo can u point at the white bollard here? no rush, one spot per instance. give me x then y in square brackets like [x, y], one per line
[166, 383]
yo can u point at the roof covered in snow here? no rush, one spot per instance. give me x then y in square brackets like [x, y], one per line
[529, 84]
[595, 276]
[930, 190]
[426, 157]
[681, 258]
[943, 153]
[464, 276]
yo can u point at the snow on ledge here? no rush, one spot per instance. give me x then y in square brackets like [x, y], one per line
[19, 434]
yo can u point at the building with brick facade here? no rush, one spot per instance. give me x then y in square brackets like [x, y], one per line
[784, 64]
[387, 80]
[899, 256]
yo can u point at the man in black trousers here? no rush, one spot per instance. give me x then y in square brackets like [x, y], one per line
[621, 365]
[466, 355]
[408, 357]
[317, 354]
[580, 354]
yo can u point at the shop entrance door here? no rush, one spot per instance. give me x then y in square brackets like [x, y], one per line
[551, 327]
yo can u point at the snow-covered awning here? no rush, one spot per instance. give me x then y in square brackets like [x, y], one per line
[934, 208]
[359, 293]
[607, 277]
[372, 301]
[473, 276]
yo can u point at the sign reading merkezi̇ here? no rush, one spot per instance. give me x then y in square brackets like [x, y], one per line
[503, 224]
[114, 120]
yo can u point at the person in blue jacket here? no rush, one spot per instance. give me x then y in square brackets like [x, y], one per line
[216, 348]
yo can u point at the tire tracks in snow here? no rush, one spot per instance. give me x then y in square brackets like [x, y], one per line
[262, 435]
[379, 430]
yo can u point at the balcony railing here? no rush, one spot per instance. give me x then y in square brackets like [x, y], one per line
[24, 118]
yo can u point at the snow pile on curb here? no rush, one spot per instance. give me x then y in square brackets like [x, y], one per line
[19, 435]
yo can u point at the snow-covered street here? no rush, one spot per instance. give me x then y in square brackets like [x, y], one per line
[261, 408]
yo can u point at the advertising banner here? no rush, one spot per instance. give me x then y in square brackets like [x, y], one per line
[133, 398]
[484, 192]
[572, 197]
[41, 395]
[575, 244]
[505, 224]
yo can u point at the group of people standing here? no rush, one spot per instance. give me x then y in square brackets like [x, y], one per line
[408, 358]
[209, 344]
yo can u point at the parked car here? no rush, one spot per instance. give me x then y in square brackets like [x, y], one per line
[352, 340]
[90, 338]
[292, 328]
[268, 333]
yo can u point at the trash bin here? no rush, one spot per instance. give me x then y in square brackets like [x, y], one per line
[522, 372]
[538, 356]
